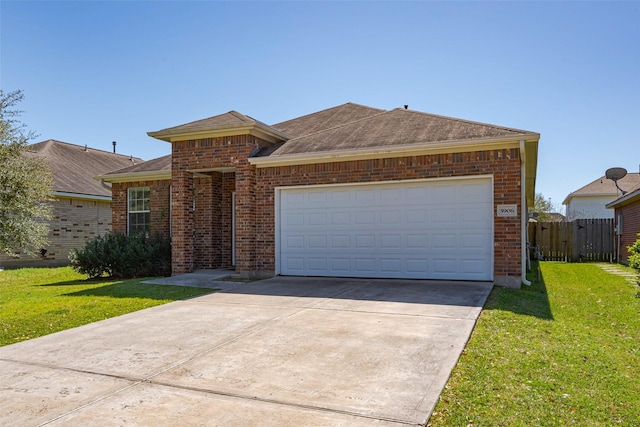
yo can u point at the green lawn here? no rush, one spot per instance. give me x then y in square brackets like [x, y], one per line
[40, 301]
[565, 351]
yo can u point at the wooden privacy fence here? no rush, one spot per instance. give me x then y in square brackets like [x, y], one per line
[575, 241]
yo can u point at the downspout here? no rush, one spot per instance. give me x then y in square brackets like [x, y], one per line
[524, 214]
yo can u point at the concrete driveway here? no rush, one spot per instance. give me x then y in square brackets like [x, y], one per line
[286, 351]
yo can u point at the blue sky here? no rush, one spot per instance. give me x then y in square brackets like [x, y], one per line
[96, 72]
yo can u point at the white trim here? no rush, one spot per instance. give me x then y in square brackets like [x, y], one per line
[276, 229]
[277, 204]
[388, 151]
[135, 176]
[524, 216]
[622, 199]
[129, 212]
[81, 196]
[253, 128]
[393, 181]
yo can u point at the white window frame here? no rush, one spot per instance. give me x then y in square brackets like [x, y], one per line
[139, 205]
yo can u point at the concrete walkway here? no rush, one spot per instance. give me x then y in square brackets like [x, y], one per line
[285, 351]
[618, 270]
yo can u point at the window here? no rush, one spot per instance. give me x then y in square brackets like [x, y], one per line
[139, 210]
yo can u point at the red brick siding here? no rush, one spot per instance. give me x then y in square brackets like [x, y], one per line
[630, 228]
[208, 153]
[202, 238]
[504, 165]
[159, 201]
[228, 187]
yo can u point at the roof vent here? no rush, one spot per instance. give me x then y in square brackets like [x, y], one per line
[406, 106]
[85, 147]
[114, 147]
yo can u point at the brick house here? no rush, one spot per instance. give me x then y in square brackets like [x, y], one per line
[81, 205]
[627, 221]
[350, 191]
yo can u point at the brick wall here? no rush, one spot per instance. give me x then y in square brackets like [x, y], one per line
[190, 225]
[504, 165]
[75, 222]
[201, 203]
[630, 228]
[159, 205]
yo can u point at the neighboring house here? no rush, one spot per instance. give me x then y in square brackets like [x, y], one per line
[589, 202]
[81, 205]
[627, 221]
[548, 217]
[351, 191]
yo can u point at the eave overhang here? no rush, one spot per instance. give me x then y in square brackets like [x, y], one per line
[531, 169]
[67, 195]
[426, 148]
[135, 176]
[256, 129]
[624, 200]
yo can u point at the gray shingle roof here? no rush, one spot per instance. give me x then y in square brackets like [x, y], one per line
[398, 127]
[326, 119]
[159, 164]
[604, 186]
[351, 127]
[227, 121]
[74, 166]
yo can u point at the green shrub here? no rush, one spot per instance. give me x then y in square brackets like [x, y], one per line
[634, 258]
[117, 255]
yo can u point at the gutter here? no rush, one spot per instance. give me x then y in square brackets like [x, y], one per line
[424, 148]
[524, 217]
[66, 194]
[134, 176]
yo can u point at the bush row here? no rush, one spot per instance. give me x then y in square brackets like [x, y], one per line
[117, 255]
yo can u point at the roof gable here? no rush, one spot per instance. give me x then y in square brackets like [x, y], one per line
[73, 166]
[605, 187]
[231, 123]
[394, 128]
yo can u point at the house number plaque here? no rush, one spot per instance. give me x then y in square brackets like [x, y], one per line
[507, 210]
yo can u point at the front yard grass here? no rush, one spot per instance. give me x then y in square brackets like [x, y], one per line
[39, 301]
[565, 351]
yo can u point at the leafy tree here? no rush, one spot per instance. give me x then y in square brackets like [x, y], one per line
[543, 207]
[25, 185]
[634, 258]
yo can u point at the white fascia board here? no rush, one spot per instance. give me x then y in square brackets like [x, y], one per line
[64, 194]
[622, 200]
[260, 131]
[135, 176]
[391, 151]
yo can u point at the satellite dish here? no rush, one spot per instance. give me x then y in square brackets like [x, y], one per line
[615, 174]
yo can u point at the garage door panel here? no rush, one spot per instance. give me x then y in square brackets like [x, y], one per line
[365, 241]
[365, 218]
[365, 266]
[407, 229]
[417, 241]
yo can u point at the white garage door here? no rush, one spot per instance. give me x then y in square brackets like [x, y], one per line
[431, 229]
